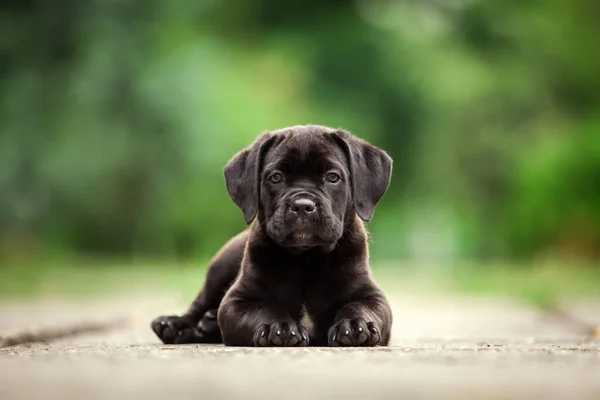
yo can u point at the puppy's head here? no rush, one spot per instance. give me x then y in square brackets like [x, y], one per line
[304, 183]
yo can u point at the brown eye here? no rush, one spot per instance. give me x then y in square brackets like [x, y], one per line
[332, 177]
[276, 178]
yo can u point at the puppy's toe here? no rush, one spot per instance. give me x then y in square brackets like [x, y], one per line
[281, 334]
[345, 333]
[277, 334]
[173, 329]
[375, 334]
[163, 329]
[355, 332]
[294, 335]
[361, 332]
[261, 336]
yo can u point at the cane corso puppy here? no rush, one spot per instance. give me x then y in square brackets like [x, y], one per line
[300, 274]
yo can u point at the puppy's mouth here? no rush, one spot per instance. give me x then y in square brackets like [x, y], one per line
[304, 240]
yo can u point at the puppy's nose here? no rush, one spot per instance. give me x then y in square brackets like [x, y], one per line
[303, 206]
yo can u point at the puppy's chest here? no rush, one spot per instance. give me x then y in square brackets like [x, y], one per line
[299, 286]
[317, 301]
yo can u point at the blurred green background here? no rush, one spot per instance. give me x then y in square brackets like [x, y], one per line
[117, 117]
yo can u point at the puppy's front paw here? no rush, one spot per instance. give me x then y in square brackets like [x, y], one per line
[281, 334]
[174, 330]
[353, 332]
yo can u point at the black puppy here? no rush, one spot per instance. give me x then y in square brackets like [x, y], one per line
[301, 273]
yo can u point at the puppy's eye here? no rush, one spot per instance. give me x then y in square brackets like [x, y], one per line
[276, 178]
[332, 177]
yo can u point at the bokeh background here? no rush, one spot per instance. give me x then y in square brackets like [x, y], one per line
[117, 117]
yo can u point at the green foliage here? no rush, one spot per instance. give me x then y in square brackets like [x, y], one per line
[116, 119]
[557, 194]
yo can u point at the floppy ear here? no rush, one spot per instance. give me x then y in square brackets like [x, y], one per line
[242, 176]
[370, 172]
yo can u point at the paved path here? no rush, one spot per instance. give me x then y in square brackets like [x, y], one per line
[442, 348]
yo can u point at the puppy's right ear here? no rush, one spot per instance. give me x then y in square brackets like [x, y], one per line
[242, 175]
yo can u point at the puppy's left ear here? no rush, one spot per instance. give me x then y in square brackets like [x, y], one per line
[242, 176]
[370, 172]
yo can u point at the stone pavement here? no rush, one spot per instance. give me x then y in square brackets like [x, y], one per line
[450, 348]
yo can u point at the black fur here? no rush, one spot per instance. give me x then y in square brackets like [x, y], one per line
[300, 274]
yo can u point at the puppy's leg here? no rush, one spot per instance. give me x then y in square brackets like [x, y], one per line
[252, 322]
[366, 321]
[199, 323]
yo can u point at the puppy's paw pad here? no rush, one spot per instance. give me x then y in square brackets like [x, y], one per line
[173, 329]
[284, 334]
[353, 332]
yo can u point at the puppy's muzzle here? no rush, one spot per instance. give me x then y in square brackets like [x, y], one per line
[302, 207]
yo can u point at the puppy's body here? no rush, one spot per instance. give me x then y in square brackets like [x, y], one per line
[305, 256]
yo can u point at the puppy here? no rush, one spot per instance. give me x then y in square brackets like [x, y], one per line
[300, 274]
